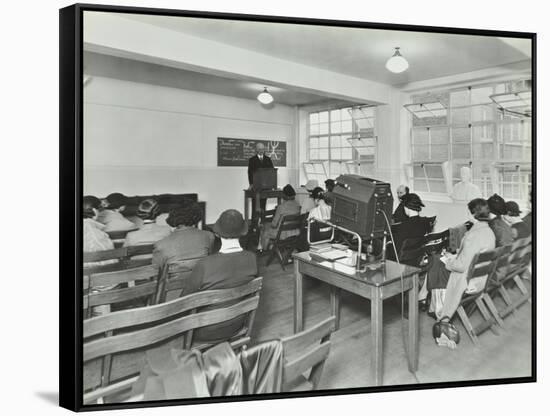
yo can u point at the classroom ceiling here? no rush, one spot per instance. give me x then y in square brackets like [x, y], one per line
[96, 64]
[360, 53]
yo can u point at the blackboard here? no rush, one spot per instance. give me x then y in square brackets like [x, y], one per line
[236, 152]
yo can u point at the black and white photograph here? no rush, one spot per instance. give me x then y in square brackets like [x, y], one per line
[277, 207]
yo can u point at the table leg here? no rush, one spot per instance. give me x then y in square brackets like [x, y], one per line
[335, 305]
[298, 299]
[376, 334]
[413, 325]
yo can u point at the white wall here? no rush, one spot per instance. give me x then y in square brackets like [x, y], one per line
[145, 139]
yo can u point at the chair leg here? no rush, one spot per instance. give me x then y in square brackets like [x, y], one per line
[280, 256]
[467, 324]
[507, 300]
[486, 315]
[520, 285]
[490, 304]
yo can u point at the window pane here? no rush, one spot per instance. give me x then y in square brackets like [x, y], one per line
[335, 127]
[323, 128]
[481, 95]
[437, 186]
[335, 153]
[345, 115]
[461, 151]
[440, 152]
[314, 154]
[439, 135]
[323, 154]
[314, 129]
[347, 153]
[460, 135]
[335, 115]
[323, 142]
[335, 141]
[323, 117]
[482, 113]
[314, 143]
[347, 126]
[420, 185]
[314, 118]
[421, 152]
[420, 136]
[319, 169]
[460, 116]
[434, 171]
[308, 167]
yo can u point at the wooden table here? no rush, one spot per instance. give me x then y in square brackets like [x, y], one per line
[375, 285]
[258, 195]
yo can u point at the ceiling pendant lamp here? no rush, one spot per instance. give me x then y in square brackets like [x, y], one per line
[265, 97]
[397, 63]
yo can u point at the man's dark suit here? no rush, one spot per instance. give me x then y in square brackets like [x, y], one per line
[254, 163]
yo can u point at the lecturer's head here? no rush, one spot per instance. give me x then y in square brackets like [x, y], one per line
[402, 190]
[260, 149]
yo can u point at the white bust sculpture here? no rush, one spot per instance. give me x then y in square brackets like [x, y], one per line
[465, 190]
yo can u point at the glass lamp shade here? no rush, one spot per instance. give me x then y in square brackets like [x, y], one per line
[397, 63]
[265, 97]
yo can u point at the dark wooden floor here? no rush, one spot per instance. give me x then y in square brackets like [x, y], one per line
[496, 356]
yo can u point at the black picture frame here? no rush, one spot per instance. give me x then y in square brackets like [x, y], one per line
[71, 186]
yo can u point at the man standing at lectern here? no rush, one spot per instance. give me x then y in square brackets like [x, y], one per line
[258, 161]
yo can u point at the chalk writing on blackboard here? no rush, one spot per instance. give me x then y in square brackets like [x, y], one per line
[236, 152]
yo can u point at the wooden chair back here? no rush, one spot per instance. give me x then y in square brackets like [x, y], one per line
[306, 350]
[436, 242]
[124, 286]
[291, 223]
[117, 258]
[173, 277]
[483, 265]
[146, 327]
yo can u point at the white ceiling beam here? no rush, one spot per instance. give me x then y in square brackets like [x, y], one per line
[112, 34]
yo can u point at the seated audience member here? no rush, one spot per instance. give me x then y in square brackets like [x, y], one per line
[329, 196]
[412, 227]
[94, 236]
[149, 232]
[519, 228]
[399, 214]
[447, 276]
[307, 203]
[112, 216]
[186, 241]
[321, 210]
[230, 267]
[288, 207]
[527, 218]
[95, 239]
[503, 232]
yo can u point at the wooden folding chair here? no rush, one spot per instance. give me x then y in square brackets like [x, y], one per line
[303, 351]
[149, 327]
[117, 259]
[283, 248]
[173, 277]
[436, 242]
[513, 262]
[482, 266]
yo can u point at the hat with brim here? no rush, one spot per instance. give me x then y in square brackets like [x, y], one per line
[512, 208]
[311, 184]
[412, 201]
[231, 224]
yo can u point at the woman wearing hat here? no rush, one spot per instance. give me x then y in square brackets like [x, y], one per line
[93, 232]
[111, 216]
[288, 207]
[503, 232]
[519, 228]
[307, 203]
[230, 267]
[186, 241]
[149, 232]
[413, 225]
[447, 276]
